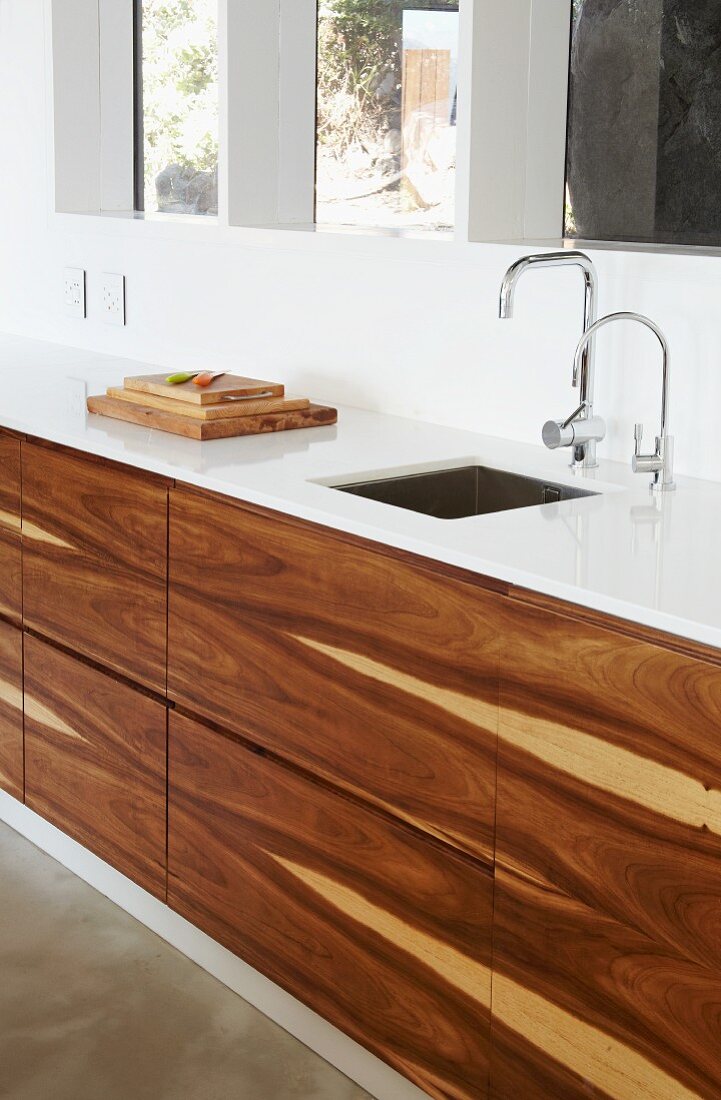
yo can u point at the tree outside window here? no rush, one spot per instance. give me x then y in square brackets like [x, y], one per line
[387, 88]
[179, 95]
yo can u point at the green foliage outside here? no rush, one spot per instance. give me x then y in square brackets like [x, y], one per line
[180, 90]
[359, 93]
[359, 74]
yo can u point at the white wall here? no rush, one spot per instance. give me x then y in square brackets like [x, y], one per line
[407, 327]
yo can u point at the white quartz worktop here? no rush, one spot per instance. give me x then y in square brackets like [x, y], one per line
[651, 560]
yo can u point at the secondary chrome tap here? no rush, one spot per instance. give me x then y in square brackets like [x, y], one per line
[582, 430]
[660, 463]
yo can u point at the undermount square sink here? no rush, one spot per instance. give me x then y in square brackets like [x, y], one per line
[463, 492]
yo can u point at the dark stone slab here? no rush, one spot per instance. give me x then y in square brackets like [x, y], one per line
[613, 117]
[688, 191]
[644, 138]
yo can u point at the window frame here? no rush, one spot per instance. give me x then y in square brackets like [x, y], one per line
[507, 50]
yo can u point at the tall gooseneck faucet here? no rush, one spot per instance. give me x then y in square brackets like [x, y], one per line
[581, 430]
[660, 463]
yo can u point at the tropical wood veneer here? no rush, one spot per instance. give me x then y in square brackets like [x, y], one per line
[383, 933]
[95, 559]
[377, 675]
[607, 925]
[11, 711]
[381, 766]
[11, 595]
[95, 762]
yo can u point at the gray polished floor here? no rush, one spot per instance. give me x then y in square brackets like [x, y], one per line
[93, 1006]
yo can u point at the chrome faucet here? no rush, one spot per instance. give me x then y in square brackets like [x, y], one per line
[660, 463]
[582, 430]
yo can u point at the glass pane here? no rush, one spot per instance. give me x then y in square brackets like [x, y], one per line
[644, 129]
[177, 117]
[386, 134]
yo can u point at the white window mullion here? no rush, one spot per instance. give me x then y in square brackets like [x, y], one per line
[297, 112]
[76, 125]
[117, 124]
[223, 114]
[517, 104]
[464, 129]
[252, 111]
[93, 105]
[270, 104]
[548, 70]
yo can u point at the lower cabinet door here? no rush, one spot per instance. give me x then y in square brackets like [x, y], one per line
[382, 931]
[607, 924]
[11, 710]
[95, 762]
[94, 578]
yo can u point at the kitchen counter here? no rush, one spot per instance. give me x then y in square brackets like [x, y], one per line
[624, 552]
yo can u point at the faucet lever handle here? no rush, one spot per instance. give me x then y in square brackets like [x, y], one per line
[575, 414]
[638, 437]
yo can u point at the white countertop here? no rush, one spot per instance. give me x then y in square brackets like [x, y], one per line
[648, 559]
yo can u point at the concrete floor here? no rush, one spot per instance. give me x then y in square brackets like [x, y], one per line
[93, 1006]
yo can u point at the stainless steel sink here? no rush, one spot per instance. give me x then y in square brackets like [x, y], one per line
[466, 491]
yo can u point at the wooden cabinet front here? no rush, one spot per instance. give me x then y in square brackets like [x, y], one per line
[365, 668]
[11, 602]
[95, 560]
[11, 711]
[607, 939]
[95, 762]
[380, 930]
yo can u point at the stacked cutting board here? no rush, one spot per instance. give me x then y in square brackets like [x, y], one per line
[226, 406]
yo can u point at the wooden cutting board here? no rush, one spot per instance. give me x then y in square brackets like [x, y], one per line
[227, 409]
[230, 385]
[315, 416]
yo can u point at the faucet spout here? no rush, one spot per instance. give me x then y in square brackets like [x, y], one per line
[660, 463]
[584, 454]
[508, 287]
[545, 260]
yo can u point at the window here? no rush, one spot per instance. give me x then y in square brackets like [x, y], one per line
[644, 128]
[386, 115]
[176, 106]
[341, 112]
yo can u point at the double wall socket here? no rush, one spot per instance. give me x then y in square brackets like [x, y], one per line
[74, 291]
[113, 291]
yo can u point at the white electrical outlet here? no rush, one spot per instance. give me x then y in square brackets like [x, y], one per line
[113, 291]
[74, 291]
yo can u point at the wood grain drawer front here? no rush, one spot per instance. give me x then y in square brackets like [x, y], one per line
[11, 594]
[607, 949]
[95, 546]
[361, 667]
[11, 711]
[382, 932]
[95, 762]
